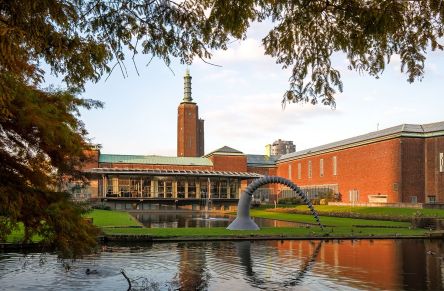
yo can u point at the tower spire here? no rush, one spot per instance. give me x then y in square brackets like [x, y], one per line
[187, 87]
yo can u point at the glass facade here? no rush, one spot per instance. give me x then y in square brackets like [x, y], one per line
[125, 186]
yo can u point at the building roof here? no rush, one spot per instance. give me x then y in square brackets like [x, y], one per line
[154, 160]
[407, 130]
[161, 172]
[261, 160]
[225, 150]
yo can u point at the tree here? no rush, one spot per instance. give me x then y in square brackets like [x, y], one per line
[42, 139]
[41, 136]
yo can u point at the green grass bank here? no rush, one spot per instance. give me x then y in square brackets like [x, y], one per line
[119, 223]
[334, 227]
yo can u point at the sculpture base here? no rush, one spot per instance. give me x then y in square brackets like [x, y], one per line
[243, 223]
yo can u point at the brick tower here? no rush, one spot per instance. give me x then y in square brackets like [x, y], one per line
[190, 129]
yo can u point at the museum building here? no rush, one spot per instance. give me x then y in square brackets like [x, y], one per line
[401, 164]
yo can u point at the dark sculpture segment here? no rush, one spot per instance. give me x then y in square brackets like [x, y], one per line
[243, 220]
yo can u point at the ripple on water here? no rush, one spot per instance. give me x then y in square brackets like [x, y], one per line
[269, 265]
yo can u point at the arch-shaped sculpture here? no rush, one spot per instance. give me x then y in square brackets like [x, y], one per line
[243, 220]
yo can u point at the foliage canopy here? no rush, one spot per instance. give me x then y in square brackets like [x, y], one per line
[41, 137]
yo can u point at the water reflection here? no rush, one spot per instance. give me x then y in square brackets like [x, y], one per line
[278, 265]
[244, 252]
[197, 219]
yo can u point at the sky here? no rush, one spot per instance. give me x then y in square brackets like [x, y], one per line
[240, 102]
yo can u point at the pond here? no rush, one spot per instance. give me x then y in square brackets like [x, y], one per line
[199, 219]
[271, 265]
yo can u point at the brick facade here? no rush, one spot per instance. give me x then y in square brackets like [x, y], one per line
[412, 167]
[233, 163]
[370, 169]
[403, 169]
[434, 179]
[187, 130]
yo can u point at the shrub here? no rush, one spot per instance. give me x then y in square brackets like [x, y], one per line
[101, 206]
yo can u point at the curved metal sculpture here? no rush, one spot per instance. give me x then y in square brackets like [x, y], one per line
[243, 220]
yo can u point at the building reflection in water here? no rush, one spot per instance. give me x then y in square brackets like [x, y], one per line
[380, 264]
[193, 274]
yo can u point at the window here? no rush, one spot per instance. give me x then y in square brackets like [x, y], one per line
[289, 172]
[414, 199]
[124, 186]
[161, 189]
[321, 167]
[203, 189]
[169, 189]
[299, 171]
[223, 189]
[180, 189]
[432, 199]
[115, 183]
[214, 193]
[335, 166]
[354, 195]
[191, 189]
[146, 187]
[441, 162]
[309, 169]
[234, 189]
[135, 187]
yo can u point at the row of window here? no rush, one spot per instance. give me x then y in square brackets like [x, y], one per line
[124, 186]
[310, 168]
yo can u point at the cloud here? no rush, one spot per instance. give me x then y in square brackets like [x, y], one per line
[399, 111]
[249, 50]
[256, 118]
[225, 76]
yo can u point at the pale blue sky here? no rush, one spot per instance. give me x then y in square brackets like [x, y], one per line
[241, 103]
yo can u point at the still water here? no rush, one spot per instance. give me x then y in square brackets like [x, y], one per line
[270, 265]
[199, 219]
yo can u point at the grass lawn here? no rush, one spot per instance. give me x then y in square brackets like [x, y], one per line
[17, 235]
[326, 220]
[107, 218]
[375, 211]
[344, 227]
[119, 222]
[101, 218]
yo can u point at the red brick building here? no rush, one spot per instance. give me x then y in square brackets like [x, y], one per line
[404, 164]
[398, 164]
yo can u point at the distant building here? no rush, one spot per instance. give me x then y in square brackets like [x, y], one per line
[279, 148]
[268, 150]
